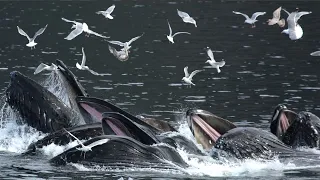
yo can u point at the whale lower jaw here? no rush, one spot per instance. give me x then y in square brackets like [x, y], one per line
[38, 107]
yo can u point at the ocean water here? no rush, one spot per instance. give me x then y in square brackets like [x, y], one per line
[263, 68]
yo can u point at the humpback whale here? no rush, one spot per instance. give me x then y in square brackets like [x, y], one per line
[37, 106]
[122, 152]
[219, 135]
[296, 129]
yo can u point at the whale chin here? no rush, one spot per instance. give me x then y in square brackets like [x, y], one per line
[37, 106]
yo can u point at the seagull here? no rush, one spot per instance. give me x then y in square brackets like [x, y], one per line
[89, 146]
[31, 40]
[212, 62]
[84, 67]
[122, 55]
[170, 36]
[43, 66]
[188, 78]
[79, 28]
[251, 20]
[294, 30]
[107, 13]
[316, 53]
[126, 45]
[276, 18]
[186, 18]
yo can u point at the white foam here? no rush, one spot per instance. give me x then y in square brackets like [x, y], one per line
[16, 138]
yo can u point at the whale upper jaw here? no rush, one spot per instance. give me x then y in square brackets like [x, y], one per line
[37, 106]
[207, 127]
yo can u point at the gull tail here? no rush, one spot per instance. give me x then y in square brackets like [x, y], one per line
[99, 12]
[281, 22]
[109, 16]
[40, 68]
[78, 66]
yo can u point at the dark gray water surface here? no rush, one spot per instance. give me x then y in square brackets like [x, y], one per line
[263, 67]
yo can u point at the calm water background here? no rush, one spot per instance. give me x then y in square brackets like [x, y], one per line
[263, 67]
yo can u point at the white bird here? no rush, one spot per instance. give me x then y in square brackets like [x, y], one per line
[170, 36]
[276, 18]
[186, 18]
[31, 40]
[107, 13]
[84, 67]
[43, 66]
[79, 28]
[126, 45]
[316, 53]
[212, 62]
[253, 18]
[188, 78]
[89, 146]
[294, 30]
[122, 55]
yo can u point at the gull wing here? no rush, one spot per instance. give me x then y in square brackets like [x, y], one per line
[316, 53]
[93, 72]
[182, 14]
[39, 32]
[256, 14]
[66, 20]
[110, 9]
[194, 73]
[98, 143]
[117, 43]
[112, 50]
[221, 63]
[246, 16]
[286, 11]
[23, 33]
[210, 54]
[135, 38]
[170, 30]
[79, 142]
[276, 14]
[180, 33]
[83, 62]
[78, 30]
[299, 14]
[96, 34]
[40, 68]
[186, 73]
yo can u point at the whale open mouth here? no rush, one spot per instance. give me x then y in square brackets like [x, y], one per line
[115, 123]
[207, 127]
[281, 120]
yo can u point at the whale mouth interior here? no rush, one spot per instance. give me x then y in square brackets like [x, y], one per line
[212, 133]
[94, 110]
[285, 119]
[114, 126]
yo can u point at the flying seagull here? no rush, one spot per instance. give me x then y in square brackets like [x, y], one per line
[316, 53]
[31, 43]
[188, 78]
[170, 36]
[89, 146]
[107, 13]
[122, 55]
[186, 18]
[79, 28]
[253, 18]
[212, 62]
[84, 67]
[126, 45]
[294, 30]
[276, 18]
[43, 66]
